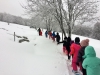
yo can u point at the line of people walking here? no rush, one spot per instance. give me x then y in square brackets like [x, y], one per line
[83, 55]
[52, 35]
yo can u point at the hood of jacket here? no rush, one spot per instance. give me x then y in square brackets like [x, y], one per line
[89, 52]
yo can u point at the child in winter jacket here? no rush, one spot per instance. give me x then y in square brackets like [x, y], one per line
[53, 36]
[57, 38]
[72, 41]
[75, 47]
[40, 33]
[64, 45]
[46, 34]
[50, 34]
[91, 63]
[83, 44]
[68, 47]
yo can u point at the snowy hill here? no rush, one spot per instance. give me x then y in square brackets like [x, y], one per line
[39, 56]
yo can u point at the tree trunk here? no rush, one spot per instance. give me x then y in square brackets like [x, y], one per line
[69, 34]
[69, 30]
[63, 32]
[61, 19]
[62, 36]
[47, 25]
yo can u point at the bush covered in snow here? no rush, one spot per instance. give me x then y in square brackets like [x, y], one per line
[96, 31]
[82, 30]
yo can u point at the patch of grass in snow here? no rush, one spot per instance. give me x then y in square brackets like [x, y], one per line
[24, 39]
[4, 29]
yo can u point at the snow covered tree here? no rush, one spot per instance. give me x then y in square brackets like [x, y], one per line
[96, 31]
[82, 30]
[78, 12]
[68, 12]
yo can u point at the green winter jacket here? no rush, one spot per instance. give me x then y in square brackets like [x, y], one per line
[91, 63]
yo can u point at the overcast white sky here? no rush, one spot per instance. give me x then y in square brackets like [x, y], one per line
[13, 7]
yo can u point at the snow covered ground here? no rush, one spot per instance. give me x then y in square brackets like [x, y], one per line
[40, 56]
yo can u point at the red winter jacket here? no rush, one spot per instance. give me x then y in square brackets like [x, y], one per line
[40, 33]
[74, 50]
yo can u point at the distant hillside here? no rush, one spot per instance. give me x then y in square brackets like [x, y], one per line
[14, 19]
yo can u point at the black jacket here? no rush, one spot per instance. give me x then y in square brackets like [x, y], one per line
[57, 38]
[80, 54]
[66, 44]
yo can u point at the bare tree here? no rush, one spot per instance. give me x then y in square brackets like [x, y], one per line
[78, 12]
[68, 12]
[48, 23]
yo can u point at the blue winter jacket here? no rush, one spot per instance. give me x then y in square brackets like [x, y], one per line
[53, 34]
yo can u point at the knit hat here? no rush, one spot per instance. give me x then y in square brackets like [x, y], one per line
[85, 42]
[89, 52]
[77, 40]
[57, 33]
[69, 39]
[65, 38]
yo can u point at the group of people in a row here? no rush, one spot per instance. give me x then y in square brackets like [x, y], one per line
[83, 55]
[51, 35]
[54, 36]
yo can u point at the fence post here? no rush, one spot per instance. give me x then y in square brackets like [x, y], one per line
[14, 36]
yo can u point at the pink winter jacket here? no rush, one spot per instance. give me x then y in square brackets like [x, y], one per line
[74, 50]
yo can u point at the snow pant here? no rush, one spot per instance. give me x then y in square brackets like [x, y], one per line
[40, 33]
[68, 55]
[53, 38]
[64, 50]
[80, 65]
[46, 35]
[50, 36]
[84, 71]
[74, 66]
[58, 41]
